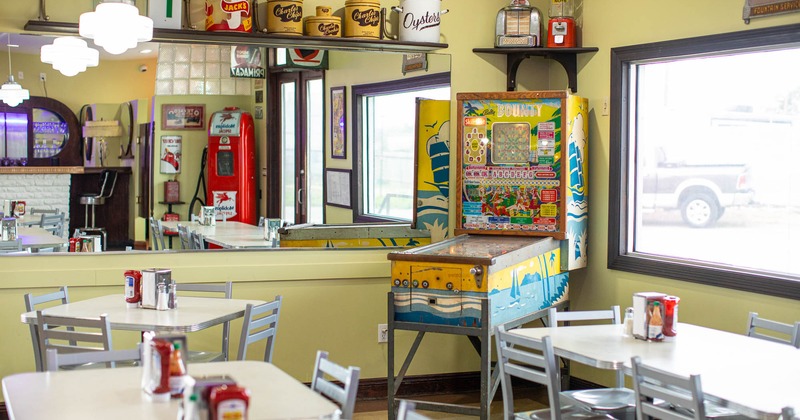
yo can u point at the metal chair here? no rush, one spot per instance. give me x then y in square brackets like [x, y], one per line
[619, 401]
[406, 412]
[185, 236]
[11, 246]
[197, 240]
[260, 323]
[534, 361]
[668, 396]
[53, 223]
[788, 414]
[54, 333]
[108, 180]
[344, 394]
[790, 333]
[57, 361]
[31, 302]
[157, 233]
[35, 210]
[226, 289]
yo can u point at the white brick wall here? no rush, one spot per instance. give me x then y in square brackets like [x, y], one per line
[46, 191]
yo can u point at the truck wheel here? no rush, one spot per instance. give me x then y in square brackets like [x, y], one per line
[700, 210]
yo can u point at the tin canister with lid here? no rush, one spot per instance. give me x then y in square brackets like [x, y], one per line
[285, 17]
[362, 19]
[229, 16]
[323, 24]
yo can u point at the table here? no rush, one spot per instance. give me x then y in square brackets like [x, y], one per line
[117, 393]
[37, 238]
[192, 314]
[754, 377]
[226, 234]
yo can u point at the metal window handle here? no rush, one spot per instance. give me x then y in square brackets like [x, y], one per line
[299, 196]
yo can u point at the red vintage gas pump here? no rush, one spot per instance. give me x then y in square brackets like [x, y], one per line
[232, 165]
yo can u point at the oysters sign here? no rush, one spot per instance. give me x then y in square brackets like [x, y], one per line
[247, 62]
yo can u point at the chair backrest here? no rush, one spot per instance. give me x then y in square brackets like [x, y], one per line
[261, 221]
[185, 236]
[260, 323]
[197, 240]
[680, 392]
[43, 211]
[788, 413]
[88, 334]
[56, 361]
[344, 395]
[11, 246]
[790, 333]
[528, 359]
[108, 180]
[53, 223]
[611, 314]
[406, 412]
[31, 302]
[157, 233]
[226, 290]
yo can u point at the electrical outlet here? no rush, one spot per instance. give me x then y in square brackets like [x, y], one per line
[43, 77]
[383, 333]
[604, 111]
[20, 76]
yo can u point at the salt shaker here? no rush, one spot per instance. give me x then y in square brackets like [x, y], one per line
[628, 322]
[162, 303]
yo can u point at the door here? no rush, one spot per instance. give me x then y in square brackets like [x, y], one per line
[295, 146]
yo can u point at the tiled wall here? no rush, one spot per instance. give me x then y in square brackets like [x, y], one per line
[46, 191]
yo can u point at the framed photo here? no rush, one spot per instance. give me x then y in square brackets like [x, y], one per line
[337, 187]
[183, 117]
[338, 123]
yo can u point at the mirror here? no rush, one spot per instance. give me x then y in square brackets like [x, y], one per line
[345, 69]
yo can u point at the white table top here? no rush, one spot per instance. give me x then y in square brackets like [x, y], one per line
[37, 238]
[117, 393]
[227, 234]
[192, 313]
[754, 377]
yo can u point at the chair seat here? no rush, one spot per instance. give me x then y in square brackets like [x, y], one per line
[567, 412]
[602, 399]
[93, 200]
[205, 356]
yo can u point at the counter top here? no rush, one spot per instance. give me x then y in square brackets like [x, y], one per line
[14, 170]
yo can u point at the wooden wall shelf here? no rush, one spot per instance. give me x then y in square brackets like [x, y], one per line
[567, 57]
[73, 170]
[257, 39]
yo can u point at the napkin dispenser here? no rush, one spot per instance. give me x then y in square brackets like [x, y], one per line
[641, 313]
[151, 279]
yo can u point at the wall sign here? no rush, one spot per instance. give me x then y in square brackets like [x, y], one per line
[761, 8]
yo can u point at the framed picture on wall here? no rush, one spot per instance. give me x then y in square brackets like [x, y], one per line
[337, 188]
[338, 123]
[183, 117]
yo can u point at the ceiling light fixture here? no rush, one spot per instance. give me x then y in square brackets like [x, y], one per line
[70, 55]
[116, 26]
[11, 92]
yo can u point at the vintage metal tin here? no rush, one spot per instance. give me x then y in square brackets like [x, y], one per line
[362, 19]
[229, 16]
[285, 17]
[323, 24]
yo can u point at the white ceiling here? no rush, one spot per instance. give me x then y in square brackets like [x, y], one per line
[32, 44]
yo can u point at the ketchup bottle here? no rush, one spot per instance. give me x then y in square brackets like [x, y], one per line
[133, 288]
[228, 402]
[158, 374]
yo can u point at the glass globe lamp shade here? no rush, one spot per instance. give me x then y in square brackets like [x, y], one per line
[12, 93]
[70, 55]
[116, 27]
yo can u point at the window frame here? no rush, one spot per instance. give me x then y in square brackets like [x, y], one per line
[357, 94]
[620, 254]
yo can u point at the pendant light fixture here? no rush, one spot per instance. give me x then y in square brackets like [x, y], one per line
[11, 92]
[116, 26]
[70, 55]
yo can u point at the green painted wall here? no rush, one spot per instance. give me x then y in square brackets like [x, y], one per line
[335, 299]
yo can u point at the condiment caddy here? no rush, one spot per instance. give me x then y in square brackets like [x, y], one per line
[653, 317]
[151, 288]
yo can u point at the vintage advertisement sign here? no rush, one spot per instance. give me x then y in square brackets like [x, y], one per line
[761, 8]
[171, 154]
[247, 62]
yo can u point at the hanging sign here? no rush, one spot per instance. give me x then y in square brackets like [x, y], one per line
[247, 62]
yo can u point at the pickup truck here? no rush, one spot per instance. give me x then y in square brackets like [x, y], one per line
[700, 191]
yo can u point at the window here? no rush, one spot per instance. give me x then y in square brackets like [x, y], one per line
[704, 183]
[384, 144]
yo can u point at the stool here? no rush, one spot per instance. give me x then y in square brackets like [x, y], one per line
[108, 179]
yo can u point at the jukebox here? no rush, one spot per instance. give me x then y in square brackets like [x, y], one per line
[521, 221]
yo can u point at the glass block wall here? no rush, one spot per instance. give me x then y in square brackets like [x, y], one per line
[197, 70]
